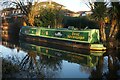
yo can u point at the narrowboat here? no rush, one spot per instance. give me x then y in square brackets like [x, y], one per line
[86, 38]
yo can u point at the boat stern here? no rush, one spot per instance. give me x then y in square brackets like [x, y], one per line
[97, 47]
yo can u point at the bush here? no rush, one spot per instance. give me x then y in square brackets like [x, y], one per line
[79, 22]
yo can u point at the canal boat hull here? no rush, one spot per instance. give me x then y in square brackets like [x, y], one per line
[88, 39]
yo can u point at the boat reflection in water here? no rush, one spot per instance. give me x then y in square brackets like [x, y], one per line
[51, 58]
[82, 58]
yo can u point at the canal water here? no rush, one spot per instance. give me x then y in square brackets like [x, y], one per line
[21, 59]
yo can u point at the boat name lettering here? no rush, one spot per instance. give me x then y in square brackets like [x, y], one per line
[76, 37]
[75, 34]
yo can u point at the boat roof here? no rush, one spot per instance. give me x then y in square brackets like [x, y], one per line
[60, 28]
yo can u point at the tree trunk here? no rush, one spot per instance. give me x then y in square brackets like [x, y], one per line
[113, 25]
[102, 31]
[112, 43]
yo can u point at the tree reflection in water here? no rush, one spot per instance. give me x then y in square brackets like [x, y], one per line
[113, 66]
[41, 66]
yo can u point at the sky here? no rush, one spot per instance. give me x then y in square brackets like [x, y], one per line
[73, 5]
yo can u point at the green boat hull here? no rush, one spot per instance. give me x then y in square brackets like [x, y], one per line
[82, 36]
[87, 39]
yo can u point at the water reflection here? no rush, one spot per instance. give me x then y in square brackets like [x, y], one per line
[108, 66]
[41, 65]
[52, 61]
[87, 60]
